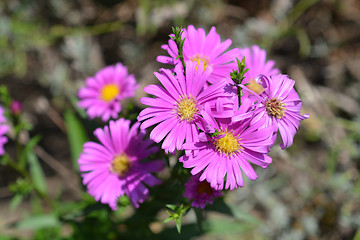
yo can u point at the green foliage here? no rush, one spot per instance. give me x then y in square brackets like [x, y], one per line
[177, 214]
[36, 173]
[178, 31]
[4, 95]
[357, 235]
[35, 222]
[76, 135]
[28, 149]
[238, 76]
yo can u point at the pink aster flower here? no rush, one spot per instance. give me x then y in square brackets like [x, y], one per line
[255, 61]
[229, 153]
[114, 168]
[280, 106]
[200, 192]
[102, 94]
[3, 130]
[208, 49]
[176, 107]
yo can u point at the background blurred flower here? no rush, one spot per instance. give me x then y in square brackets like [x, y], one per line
[3, 130]
[200, 192]
[15, 107]
[102, 94]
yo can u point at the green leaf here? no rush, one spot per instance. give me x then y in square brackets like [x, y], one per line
[5, 159]
[304, 41]
[179, 211]
[171, 206]
[37, 173]
[357, 235]
[76, 135]
[27, 149]
[4, 95]
[15, 201]
[38, 222]
[178, 223]
[168, 219]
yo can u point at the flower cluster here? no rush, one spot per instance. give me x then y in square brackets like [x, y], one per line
[222, 117]
[198, 111]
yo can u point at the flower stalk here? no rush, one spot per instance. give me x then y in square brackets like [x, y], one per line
[178, 31]
[238, 76]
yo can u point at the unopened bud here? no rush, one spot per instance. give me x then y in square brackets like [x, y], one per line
[15, 107]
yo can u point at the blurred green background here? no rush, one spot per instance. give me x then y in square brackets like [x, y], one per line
[310, 191]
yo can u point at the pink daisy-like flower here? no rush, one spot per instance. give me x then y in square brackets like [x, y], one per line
[102, 94]
[255, 61]
[208, 49]
[280, 106]
[3, 130]
[224, 156]
[114, 168]
[200, 192]
[176, 107]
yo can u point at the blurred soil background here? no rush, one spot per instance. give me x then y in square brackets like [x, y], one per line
[310, 191]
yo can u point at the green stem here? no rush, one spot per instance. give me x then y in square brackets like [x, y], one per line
[239, 93]
[27, 176]
[18, 168]
[182, 58]
[199, 218]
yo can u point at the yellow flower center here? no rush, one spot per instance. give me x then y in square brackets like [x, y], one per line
[186, 108]
[120, 165]
[109, 92]
[229, 144]
[275, 108]
[197, 58]
[255, 87]
[204, 187]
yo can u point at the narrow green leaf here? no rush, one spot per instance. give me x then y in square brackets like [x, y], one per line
[76, 136]
[37, 173]
[171, 206]
[357, 235]
[38, 222]
[304, 41]
[28, 148]
[178, 224]
[168, 219]
[15, 201]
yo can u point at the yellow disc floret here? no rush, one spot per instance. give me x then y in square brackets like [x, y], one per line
[120, 165]
[186, 108]
[275, 108]
[197, 58]
[109, 92]
[228, 144]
